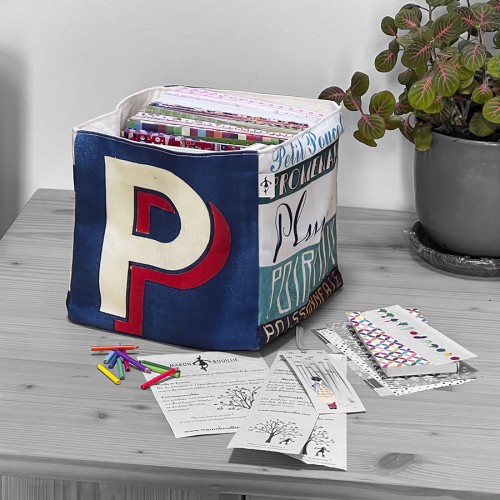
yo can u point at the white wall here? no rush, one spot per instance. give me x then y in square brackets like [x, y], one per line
[65, 61]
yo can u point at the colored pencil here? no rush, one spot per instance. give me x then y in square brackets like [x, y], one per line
[126, 365]
[158, 378]
[108, 374]
[127, 347]
[113, 360]
[133, 361]
[109, 357]
[157, 368]
[121, 369]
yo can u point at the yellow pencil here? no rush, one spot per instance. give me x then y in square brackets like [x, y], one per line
[108, 374]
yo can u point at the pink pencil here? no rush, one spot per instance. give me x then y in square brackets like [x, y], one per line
[158, 378]
[126, 365]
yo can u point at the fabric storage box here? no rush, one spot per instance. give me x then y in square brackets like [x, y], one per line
[211, 250]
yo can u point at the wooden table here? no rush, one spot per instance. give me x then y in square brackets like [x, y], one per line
[67, 433]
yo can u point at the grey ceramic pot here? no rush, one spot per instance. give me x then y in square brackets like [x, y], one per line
[457, 195]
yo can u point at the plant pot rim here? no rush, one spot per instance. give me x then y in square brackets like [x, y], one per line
[466, 141]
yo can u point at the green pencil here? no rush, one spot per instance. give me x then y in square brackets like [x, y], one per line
[121, 369]
[157, 368]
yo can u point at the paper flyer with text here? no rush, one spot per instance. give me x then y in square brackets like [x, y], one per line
[213, 394]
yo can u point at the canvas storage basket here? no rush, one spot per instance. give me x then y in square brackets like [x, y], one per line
[210, 250]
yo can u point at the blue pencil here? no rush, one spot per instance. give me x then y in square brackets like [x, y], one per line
[109, 357]
[112, 361]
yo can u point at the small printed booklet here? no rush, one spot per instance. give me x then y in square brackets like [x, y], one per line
[284, 420]
[341, 337]
[403, 344]
[325, 382]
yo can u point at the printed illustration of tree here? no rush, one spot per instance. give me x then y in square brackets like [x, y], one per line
[239, 397]
[275, 428]
[319, 436]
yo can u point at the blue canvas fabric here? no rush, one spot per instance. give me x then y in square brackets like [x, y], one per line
[179, 247]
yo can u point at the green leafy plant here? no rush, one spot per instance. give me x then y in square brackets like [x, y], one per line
[451, 79]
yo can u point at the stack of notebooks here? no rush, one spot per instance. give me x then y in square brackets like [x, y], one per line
[403, 344]
[214, 120]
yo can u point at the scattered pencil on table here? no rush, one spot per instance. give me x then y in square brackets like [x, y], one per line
[157, 368]
[121, 368]
[118, 357]
[158, 378]
[109, 357]
[112, 361]
[125, 347]
[126, 365]
[132, 361]
[108, 374]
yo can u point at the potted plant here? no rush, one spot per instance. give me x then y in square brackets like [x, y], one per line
[449, 108]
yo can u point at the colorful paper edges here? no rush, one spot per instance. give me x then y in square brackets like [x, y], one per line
[426, 341]
[387, 351]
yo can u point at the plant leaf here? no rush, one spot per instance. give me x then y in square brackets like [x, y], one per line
[496, 5]
[491, 110]
[425, 34]
[407, 77]
[485, 16]
[421, 93]
[382, 103]
[359, 84]
[436, 106]
[407, 19]
[447, 28]
[482, 94]
[389, 26]
[415, 8]
[445, 79]
[385, 61]
[493, 66]
[361, 138]
[496, 40]
[465, 74]
[467, 17]
[466, 86]
[438, 3]
[332, 94]
[480, 126]
[406, 129]
[371, 126]
[474, 56]
[405, 40]
[394, 46]
[422, 136]
[444, 116]
[420, 71]
[417, 54]
[450, 54]
[393, 122]
[403, 106]
[352, 103]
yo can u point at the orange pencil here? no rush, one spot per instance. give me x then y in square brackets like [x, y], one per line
[114, 347]
[158, 378]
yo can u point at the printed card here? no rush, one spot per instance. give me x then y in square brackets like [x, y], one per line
[421, 338]
[327, 443]
[325, 382]
[338, 337]
[282, 418]
[213, 394]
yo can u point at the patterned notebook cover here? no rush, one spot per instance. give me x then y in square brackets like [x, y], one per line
[393, 357]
